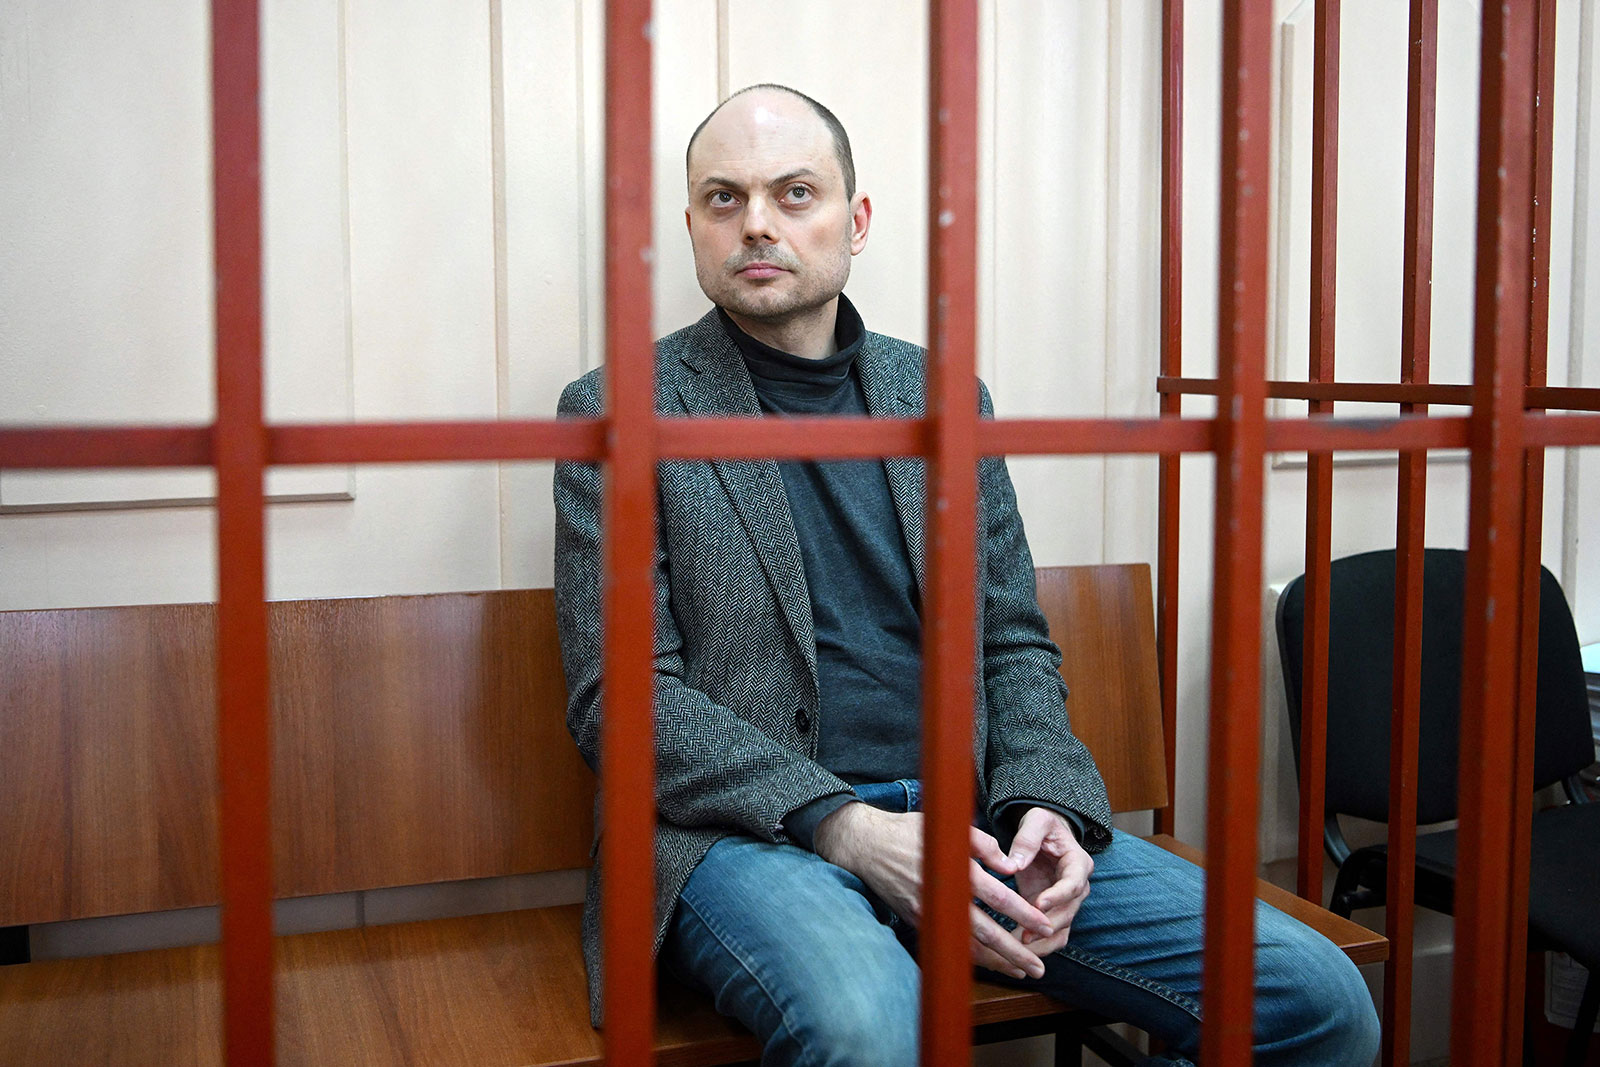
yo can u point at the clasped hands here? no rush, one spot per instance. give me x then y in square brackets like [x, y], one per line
[884, 850]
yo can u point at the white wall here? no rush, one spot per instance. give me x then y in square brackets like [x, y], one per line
[434, 250]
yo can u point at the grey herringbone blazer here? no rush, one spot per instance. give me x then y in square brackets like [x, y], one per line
[735, 657]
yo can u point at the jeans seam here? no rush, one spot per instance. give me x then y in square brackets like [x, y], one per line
[1133, 978]
[729, 945]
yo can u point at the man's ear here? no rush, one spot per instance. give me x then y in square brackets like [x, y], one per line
[687, 224]
[860, 220]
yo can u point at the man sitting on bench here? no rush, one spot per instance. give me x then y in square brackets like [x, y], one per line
[788, 704]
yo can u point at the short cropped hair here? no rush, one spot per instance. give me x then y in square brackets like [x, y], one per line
[841, 140]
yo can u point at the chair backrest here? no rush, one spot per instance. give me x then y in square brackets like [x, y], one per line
[415, 739]
[1361, 672]
[1104, 620]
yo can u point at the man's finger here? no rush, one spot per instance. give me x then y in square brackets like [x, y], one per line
[987, 851]
[1017, 959]
[1030, 835]
[1071, 884]
[1007, 901]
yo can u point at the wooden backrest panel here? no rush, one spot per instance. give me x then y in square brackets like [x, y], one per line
[107, 761]
[416, 739]
[423, 739]
[1104, 620]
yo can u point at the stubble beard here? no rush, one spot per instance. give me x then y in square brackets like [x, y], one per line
[808, 289]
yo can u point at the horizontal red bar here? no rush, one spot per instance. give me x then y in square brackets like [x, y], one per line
[1568, 398]
[108, 446]
[1405, 433]
[789, 438]
[1561, 431]
[426, 442]
[1353, 392]
[733, 438]
[1105, 436]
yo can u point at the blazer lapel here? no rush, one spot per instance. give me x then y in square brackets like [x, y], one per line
[891, 393]
[719, 385]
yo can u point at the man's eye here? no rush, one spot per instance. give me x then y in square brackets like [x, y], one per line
[799, 192]
[721, 198]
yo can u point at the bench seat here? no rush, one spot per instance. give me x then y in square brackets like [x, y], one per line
[484, 990]
[417, 739]
[487, 990]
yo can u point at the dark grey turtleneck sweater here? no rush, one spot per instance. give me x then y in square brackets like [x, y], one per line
[864, 600]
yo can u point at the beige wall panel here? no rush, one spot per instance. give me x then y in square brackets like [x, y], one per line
[868, 64]
[411, 529]
[421, 208]
[1051, 123]
[110, 183]
[105, 257]
[686, 89]
[1133, 268]
[546, 264]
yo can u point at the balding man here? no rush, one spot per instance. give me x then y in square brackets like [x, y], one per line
[787, 660]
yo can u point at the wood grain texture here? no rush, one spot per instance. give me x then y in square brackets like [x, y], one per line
[416, 739]
[1104, 620]
[487, 990]
[422, 739]
[108, 798]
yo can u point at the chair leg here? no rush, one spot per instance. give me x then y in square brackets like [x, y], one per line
[1346, 884]
[1583, 1026]
[1069, 1047]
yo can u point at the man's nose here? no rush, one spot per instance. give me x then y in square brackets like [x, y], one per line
[758, 221]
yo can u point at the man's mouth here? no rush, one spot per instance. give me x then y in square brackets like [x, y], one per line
[761, 270]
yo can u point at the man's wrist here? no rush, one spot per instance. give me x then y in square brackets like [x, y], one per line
[837, 834]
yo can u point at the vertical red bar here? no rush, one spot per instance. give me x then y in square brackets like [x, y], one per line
[243, 754]
[1319, 469]
[949, 645]
[627, 750]
[1411, 508]
[1521, 784]
[1234, 756]
[1489, 689]
[1168, 489]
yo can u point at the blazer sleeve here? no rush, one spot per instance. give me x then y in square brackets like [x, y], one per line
[713, 767]
[1032, 752]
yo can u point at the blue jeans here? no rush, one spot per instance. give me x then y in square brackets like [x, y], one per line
[806, 956]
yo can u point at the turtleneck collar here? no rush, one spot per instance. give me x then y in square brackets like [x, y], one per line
[796, 373]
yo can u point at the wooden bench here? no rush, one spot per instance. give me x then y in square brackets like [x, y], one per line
[416, 740]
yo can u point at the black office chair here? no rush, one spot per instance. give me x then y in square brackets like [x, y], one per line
[1564, 885]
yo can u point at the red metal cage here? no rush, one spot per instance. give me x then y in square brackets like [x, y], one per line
[1506, 432]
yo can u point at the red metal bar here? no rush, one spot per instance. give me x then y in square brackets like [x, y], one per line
[437, 442]
[1094, 436]
[1362, 392]
[627, 753]
[1561, 431]
[1570, 398]
[1488, 735]
[1411, 504]
[1367, 435]
[39, 447]
[1168, 489]
[1521, 783]
[244, 755]
[1234, 751]
[1319, 465]
[949, 643]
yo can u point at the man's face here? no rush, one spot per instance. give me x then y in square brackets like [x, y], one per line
[772, 230]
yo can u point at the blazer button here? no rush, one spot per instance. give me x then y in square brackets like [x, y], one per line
[802, 720]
